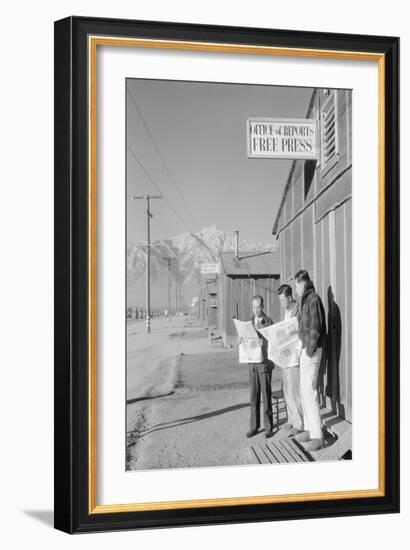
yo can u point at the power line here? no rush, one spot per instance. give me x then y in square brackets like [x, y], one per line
[167, 248]
[169, 259]
[155, 245]
[148, 198]
[163, 160]
[167, 201]
[158, 189]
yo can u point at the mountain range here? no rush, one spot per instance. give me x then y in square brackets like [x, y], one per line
[187, 251]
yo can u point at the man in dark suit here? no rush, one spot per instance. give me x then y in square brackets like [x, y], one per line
[260, 375]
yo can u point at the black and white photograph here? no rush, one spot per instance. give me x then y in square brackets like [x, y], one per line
[204, 231]
[239, 274]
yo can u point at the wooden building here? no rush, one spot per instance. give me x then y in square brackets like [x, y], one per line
[209, 299]
[242, 276]
[314, 228]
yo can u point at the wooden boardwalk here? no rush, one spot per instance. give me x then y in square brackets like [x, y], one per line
[285, 450]
[282, 448]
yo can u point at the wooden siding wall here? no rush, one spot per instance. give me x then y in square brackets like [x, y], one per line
[315, 233]
[236, 300]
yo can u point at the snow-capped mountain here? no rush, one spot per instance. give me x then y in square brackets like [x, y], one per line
[189, 251]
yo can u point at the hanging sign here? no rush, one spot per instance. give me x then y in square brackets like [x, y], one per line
[208, 268]
[282, 138]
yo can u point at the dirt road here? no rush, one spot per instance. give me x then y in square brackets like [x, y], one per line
[203, 423]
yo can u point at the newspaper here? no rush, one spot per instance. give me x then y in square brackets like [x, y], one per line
[250, 347]
[284, 346]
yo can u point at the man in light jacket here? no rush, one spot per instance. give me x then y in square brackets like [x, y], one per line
[290, 375]
[312, 331]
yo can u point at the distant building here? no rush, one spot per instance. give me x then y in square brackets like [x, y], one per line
[243, 275]
[314, 228]
[209, 301]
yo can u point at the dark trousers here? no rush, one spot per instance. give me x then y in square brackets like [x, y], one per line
[260, 375]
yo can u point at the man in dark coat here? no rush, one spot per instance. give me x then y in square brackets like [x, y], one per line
[260, 376]
[312, 331]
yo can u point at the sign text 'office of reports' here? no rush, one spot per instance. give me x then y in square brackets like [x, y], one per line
[282, 138]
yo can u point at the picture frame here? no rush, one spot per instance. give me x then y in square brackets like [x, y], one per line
[77, 40]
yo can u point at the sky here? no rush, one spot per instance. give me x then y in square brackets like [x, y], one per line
[200, 132]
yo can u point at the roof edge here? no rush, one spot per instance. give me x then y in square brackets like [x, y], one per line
[292, 169]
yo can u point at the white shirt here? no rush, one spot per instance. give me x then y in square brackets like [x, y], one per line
[258, 322]
[288, 314]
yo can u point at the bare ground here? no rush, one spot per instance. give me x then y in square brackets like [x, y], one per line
[204, 421]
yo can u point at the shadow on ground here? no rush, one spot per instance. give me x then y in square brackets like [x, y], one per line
[189, 420]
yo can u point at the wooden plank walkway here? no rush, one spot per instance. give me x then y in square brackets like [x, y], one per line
[279, 452]
[282, 448]
[337, 448]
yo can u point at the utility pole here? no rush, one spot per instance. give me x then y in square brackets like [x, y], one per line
[148, 266]
[169, 259]
[237, 246]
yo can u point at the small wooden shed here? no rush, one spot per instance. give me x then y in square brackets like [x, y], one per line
[242, 276]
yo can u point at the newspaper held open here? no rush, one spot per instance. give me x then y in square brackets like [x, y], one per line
[250, 348]
[284, 346]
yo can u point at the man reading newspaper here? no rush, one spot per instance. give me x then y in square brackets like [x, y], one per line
[260, 375]
[291, 372]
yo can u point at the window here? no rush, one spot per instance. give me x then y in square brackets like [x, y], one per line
[309, 170]
[329, 141]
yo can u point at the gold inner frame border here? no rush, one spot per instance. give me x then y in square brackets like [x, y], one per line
[95, 41]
